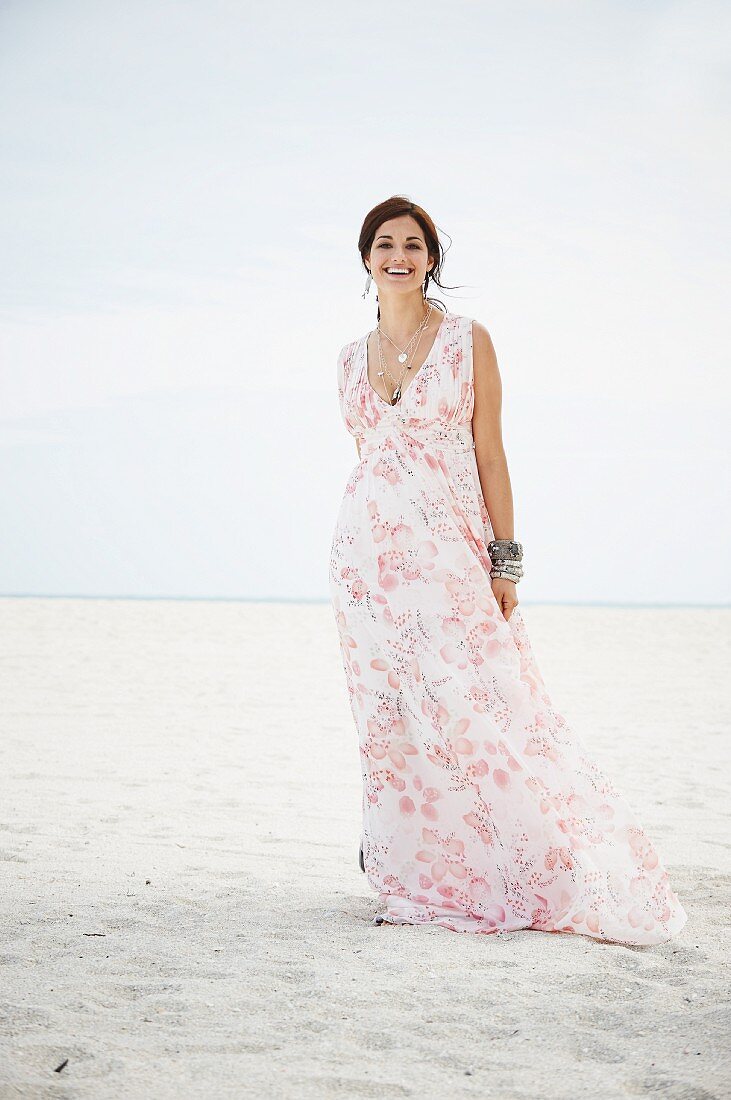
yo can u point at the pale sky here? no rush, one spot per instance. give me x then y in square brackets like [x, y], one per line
[182, 190]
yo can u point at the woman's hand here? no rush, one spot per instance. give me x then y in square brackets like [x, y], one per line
[505, 594]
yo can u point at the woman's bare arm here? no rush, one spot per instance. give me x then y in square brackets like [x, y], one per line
[492, 463]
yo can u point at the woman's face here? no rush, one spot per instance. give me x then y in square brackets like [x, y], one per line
[399, 243]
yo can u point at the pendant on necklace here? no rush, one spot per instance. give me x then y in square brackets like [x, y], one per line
[402, 357]
[396, 395]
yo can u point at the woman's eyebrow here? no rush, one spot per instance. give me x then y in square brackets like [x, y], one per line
[388, 237]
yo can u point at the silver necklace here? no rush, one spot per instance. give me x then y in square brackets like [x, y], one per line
[395, 396]
[403, 352]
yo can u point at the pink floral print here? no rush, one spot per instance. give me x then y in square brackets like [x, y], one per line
[482, 811]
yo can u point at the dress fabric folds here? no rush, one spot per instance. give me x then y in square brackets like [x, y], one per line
[482, 811]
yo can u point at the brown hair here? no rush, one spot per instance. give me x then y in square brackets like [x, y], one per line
[395, 207]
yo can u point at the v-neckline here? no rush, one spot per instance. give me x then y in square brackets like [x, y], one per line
[387, 404]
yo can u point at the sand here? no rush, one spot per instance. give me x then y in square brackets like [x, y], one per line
[183, 913]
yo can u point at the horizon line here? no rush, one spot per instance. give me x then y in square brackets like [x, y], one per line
[325, 600]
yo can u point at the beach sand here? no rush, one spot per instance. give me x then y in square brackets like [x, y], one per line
[183, 913]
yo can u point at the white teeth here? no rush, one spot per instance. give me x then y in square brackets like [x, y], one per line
[396, 271]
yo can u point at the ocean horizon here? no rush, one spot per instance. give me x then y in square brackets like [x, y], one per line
[324, 600]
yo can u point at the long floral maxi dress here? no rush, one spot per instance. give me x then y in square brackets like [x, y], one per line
[482, 812]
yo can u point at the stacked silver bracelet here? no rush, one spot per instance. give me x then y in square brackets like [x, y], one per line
[506, 556]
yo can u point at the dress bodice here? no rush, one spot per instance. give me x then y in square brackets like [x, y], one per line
[436, 405]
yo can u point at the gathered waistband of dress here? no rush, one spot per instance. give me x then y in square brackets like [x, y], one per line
[453, 437]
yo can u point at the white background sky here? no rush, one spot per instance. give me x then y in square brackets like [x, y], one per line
[182, 189]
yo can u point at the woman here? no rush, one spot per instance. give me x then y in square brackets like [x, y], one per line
[482, 812]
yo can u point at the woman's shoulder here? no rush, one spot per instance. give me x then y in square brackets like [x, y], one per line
[347, 349]
[347, 354]
[477, 333]
[469, 324]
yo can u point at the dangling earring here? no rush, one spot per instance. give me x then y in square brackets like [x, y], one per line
[367, 286]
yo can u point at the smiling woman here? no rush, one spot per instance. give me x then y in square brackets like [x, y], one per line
[482, 812]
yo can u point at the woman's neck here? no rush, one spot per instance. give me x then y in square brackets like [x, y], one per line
[401, 317]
